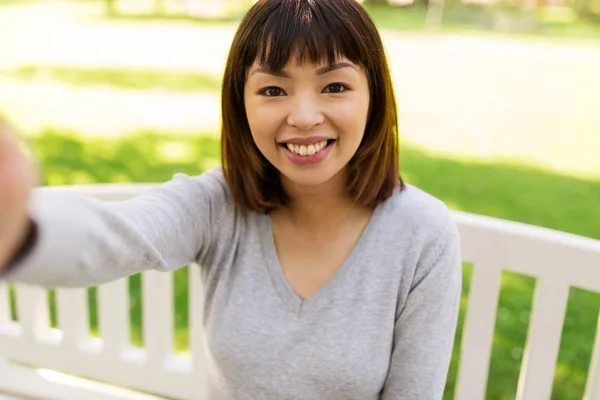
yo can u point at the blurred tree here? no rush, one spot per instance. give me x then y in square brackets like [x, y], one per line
[435, 10]
[111, 7]
[435, 13]
[588, 9]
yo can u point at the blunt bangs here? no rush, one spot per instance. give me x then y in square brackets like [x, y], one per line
[301, 31]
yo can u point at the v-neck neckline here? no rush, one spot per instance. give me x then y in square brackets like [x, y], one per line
[285, 291]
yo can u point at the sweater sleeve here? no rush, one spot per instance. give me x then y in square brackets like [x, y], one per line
[426, 324]
[83, 241]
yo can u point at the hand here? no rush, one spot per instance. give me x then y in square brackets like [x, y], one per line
[17, 178]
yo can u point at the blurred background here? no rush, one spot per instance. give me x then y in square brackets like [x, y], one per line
[499, 104]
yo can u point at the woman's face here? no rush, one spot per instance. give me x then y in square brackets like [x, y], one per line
[308, 120]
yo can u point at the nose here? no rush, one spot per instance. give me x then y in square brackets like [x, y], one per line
[305, 113]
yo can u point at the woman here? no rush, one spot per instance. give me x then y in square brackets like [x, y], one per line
[326, 276]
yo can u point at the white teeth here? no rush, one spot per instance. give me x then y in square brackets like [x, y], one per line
[307, 150]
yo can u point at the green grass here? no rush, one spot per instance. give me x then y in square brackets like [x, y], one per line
[121, 78]
[509, 191]
[502, 190]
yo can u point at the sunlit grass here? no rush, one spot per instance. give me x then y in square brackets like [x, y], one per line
[121, 78]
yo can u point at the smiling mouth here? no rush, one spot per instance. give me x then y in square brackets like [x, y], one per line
[307, 150]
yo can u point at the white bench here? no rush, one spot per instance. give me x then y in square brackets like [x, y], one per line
[558, 261]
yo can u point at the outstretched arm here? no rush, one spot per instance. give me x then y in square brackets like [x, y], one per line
[57, 238]
[82, 241]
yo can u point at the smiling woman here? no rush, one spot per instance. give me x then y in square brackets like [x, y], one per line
[326, 276]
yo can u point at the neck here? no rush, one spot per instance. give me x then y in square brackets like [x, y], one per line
[318, 205]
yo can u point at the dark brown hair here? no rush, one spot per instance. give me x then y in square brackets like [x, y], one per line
[321, 31]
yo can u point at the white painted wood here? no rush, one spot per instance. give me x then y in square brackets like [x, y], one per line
[73, 317]
[27, 383]
[110, 192]
[543, 340]
[4, 304]
[113, 317]
[478, 332]
[124, 371]
[531, 250]
[157, 295]
[592, 385]
[33, 312]
[197, 337]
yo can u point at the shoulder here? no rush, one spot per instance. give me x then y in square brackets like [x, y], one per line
[211, 179]
[423, 236]
[416, 211]
[418, 221]
[209, 185]
[205, 194]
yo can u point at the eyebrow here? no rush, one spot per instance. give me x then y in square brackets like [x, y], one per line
[320, 71]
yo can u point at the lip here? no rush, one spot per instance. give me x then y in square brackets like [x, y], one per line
[305, 160]
[305, 140]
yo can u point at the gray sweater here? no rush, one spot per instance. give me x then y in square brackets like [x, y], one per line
[381, 328]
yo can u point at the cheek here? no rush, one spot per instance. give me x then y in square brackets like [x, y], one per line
[353, 116]
[263, 127]
[257, 120]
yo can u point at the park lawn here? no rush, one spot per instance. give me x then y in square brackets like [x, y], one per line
[502, 190]
[117, 78]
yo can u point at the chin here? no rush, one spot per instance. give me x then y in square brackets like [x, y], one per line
[308, 180]
[310, 177]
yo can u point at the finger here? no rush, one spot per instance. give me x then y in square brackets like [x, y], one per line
[16, 174]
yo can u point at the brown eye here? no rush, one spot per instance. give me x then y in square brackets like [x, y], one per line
[272, 91]
[335, 88]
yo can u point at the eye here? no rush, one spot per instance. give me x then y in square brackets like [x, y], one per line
[336, 88]
[272, 91]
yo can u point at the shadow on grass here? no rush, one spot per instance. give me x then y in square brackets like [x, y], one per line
[124, 78]
[496, 189]
[508, 191]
